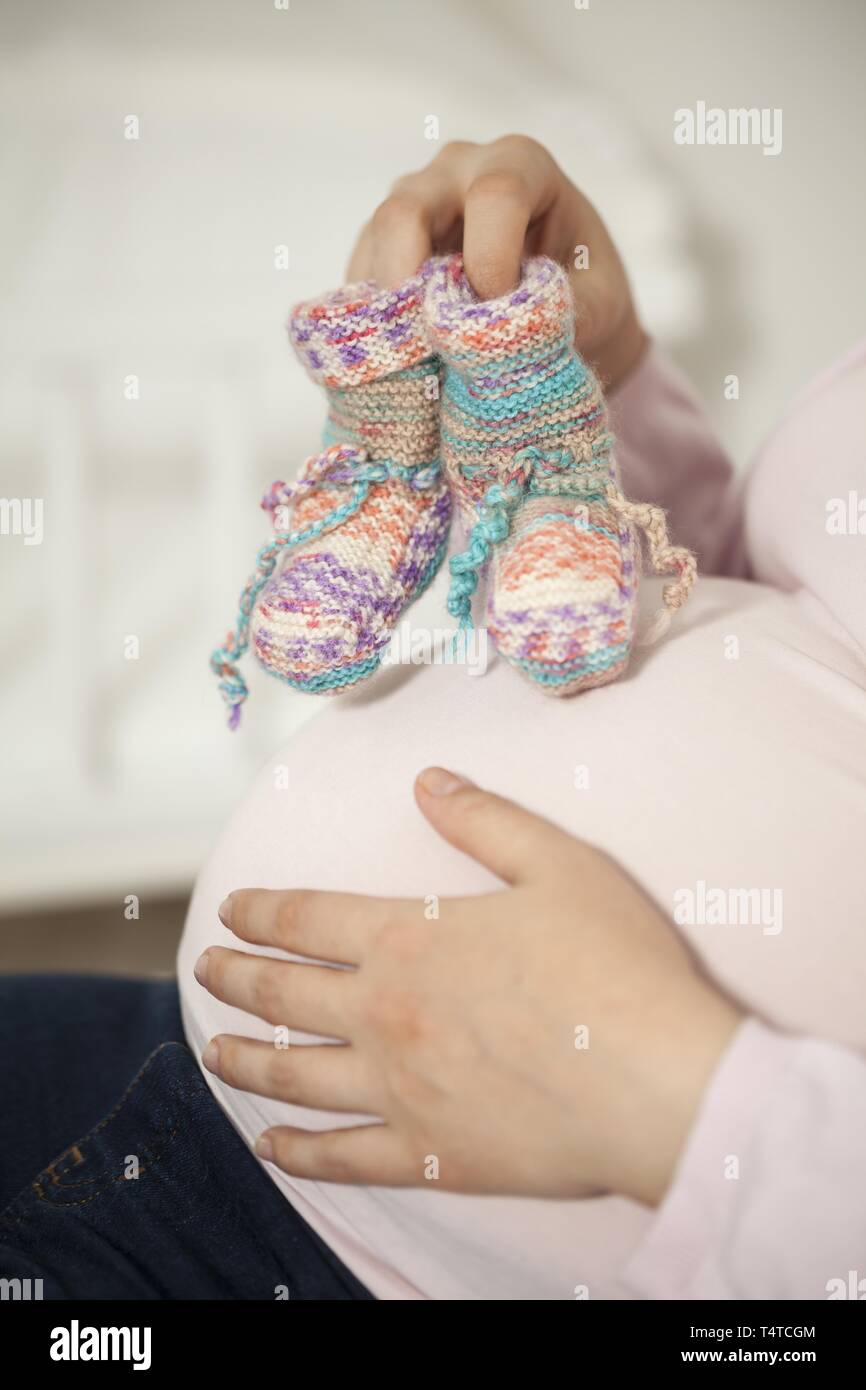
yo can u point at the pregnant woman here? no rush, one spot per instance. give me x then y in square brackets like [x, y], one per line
[599, 1034]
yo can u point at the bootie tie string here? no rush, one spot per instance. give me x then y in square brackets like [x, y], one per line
[534, 471]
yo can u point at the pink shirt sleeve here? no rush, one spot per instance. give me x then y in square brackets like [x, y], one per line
[668, 455]
[767, 1200]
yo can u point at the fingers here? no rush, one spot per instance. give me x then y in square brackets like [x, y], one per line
[325, 926]
[394, 243]
[501, 202]
[412, 222]
[369, 1154]
[513, 843]
[326, 1077]
[513, 184]
[311, 998]
[360, 265]
[498, 210]
[402, 237]
[495, 191]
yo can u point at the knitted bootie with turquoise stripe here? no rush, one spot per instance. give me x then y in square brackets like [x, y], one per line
[529, 454]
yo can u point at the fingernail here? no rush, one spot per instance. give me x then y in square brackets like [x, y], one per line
[438, 782]
[200, 968]
[264, 1148]
[224, 911]
[210, 1058]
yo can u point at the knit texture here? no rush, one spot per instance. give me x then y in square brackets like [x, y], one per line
[364, 528]
[529, 455]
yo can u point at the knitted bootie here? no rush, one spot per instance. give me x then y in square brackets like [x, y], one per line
[528, 454]
[364, 529]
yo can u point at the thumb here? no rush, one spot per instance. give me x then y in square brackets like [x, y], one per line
[510, 841]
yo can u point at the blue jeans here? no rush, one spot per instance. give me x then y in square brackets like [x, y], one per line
[120, 1177]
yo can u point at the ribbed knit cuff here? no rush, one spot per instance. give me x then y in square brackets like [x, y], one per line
[469, 332]
[361, 333]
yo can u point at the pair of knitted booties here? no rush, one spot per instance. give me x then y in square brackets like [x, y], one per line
[526, 455]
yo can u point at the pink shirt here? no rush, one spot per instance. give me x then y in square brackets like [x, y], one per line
[733, 756]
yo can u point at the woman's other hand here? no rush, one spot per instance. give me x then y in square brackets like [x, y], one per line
[552, 1039]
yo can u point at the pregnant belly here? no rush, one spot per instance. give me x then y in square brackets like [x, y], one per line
[726, 772]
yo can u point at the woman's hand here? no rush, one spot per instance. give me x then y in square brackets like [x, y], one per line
[552, 1039]
[499, 203]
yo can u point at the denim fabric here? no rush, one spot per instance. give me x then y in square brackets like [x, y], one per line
[120, 1177]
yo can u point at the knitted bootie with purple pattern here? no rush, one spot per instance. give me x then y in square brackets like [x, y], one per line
[528, 453]
[363, 530]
